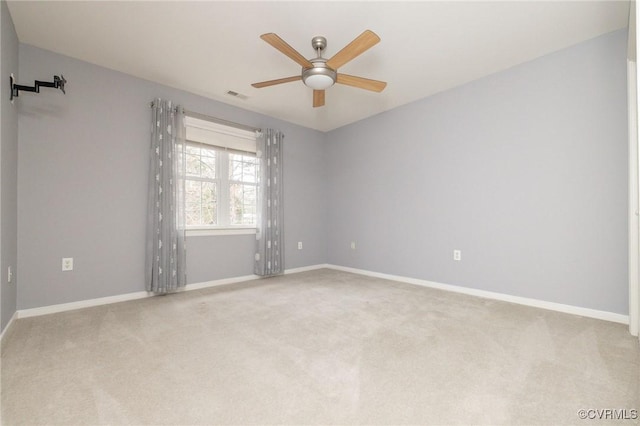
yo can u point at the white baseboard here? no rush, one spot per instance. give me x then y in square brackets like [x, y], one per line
[552, 306]
[63, 307]
[6, 330]
[306, 268]
[223, 281]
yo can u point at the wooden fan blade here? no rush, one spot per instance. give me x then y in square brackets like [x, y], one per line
[283, 47]
[359, 45]
[318, 98]
[361, 83]
[274, 82]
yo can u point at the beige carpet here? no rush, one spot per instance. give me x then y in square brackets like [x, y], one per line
[320, 347]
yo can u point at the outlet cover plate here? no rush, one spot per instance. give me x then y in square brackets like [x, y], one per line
[67, 264]
[457, 255]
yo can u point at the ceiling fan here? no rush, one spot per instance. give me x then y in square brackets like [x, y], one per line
[320, 73]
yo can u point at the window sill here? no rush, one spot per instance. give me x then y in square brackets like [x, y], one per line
[220, 231]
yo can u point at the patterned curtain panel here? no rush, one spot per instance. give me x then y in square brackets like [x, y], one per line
[165, 255]
[269, 235]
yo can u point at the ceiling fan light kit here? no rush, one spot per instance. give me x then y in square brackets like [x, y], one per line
[319, 73]
[319, 77]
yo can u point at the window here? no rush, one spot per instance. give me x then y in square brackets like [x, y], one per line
[243, 196]
[221, 176]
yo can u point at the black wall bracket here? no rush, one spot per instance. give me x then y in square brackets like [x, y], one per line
[57, 83]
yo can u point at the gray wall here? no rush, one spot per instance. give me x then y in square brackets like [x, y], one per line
[8, 168]
[525, 171]
[82, 181]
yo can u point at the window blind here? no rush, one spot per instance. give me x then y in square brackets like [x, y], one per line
[210, 133]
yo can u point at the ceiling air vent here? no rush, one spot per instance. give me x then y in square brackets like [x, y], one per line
[237, 95]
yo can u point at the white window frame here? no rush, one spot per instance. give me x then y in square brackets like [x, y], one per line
[224, 147]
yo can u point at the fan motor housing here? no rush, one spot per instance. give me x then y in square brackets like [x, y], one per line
[319, 77]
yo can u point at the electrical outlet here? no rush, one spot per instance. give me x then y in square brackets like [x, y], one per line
[457, 255]
[353, 245]
[9, 274]
[67, 263]
[299, 245]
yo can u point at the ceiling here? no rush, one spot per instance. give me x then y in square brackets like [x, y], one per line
[209, 48]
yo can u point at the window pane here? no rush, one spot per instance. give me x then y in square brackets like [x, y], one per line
[250, 172]
[243, 168]
[193, 165]
[201, 161]
[192, 149]
[201, 203]
[193, 215]
[235, 168]
[208, 167]
[251, 169]
[243, 204]
[209, 204]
